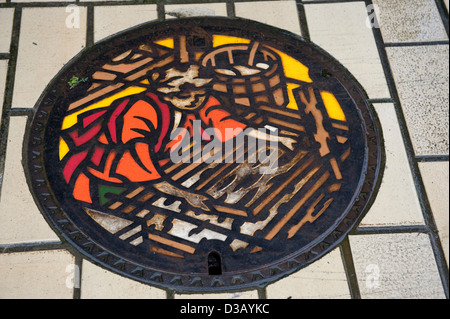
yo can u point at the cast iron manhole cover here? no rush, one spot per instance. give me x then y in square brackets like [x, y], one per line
[203, 154]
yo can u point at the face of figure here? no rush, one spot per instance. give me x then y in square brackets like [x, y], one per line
[183, 89]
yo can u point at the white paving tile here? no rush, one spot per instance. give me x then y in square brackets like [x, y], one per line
[49, 38]
[20, 219]
[112, 19]
[396, 202]
[281, 14]
[340, 29]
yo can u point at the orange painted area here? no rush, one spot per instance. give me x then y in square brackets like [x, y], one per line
[143, 151]
[81, 189]
[128, 167]
[133, 121]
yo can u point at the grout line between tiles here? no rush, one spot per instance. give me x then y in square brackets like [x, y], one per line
[231, 9]
[90, 26]
[415, 44]
[432, 158]
[444, 14]
[303, 21]
[349, 267]
[161, 10]
[9, 88]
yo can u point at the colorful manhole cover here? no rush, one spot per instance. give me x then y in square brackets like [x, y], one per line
[203, 154]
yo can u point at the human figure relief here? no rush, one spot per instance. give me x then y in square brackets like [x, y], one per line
[127, 141]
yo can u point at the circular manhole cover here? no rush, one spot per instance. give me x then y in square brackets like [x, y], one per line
[203, 154]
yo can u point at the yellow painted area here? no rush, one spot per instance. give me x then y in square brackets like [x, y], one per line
[334, 110]
[63, 148]
[72, 119]
[145, 82]
[169, 43]
[219, 40]
[292, 103]
[293, 68]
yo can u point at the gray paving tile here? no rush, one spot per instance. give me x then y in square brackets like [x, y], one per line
[421, 77]
[435, 177]
[410, 21]
[340, 29]
[396, 266]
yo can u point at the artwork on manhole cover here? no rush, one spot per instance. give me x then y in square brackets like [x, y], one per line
[204, 153]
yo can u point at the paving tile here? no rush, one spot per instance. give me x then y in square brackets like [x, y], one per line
[340, 29]
[6, 22]
[98, 283]
[250, 294]
[435, 178]
[3, 72]
[447, 4]
[281, 14]
[20, 219]
[417, 20]
[396, 202]
[324, 279]
[45, 45]
[112, 19]
[421, 76]
[396, 266]
[31, 1]
[196, 9]
[36, 275]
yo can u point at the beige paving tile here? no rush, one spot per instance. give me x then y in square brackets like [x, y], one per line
[112, 19]
[421, 77]
[447, 4]
[195, 9]
[36, 275]
[412, 21]
[250, 294]
[3, 72]
[436, 180]
[281, 14]
[340, 29]
[46, 44]
[20, 219]
[6, 22]
[396, 202]
[30, 1]
[396, 266]
[324, 279]
[98, 283]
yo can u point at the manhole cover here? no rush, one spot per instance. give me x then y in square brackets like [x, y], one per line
[203, 154]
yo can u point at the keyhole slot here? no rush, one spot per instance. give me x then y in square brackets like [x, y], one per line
[214, 263]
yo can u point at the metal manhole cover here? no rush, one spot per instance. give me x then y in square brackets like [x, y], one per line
[203, 154]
